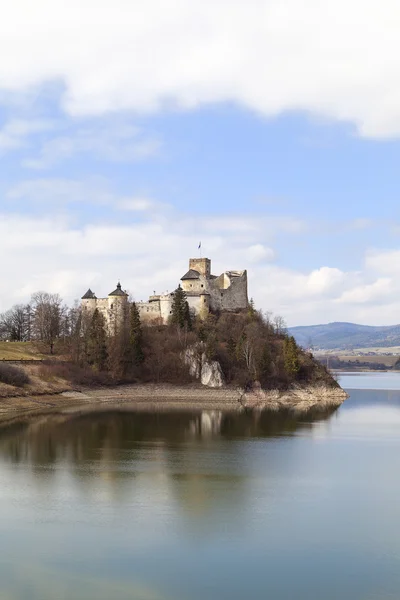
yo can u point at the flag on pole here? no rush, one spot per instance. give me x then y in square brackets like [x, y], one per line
[199, 245]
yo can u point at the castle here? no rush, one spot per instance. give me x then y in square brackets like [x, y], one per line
[205, 293]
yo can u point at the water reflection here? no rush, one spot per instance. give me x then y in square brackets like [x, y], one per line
[202, 505]
[106, 435]
[33, 582]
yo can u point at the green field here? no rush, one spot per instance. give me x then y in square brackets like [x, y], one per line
[389, 361]
[19, 351]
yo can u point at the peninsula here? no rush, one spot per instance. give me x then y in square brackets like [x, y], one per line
[205, 345]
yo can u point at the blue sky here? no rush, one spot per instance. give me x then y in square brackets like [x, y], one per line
[123, 144]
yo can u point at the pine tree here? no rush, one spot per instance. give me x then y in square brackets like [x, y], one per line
[187, 316]
[180, 310]
[231, 347]
[97, 342]
[251, 311]
[291, 357]
[135, 336]
[265, 361]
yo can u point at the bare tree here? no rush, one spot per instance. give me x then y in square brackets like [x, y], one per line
[48, 312]
[279, 325]
[14, 324]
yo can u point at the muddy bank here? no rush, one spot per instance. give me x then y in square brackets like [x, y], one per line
[190, 397]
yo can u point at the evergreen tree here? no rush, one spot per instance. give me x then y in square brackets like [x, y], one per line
[265, 361]
[135, 336]
[231, 347]
[251, 311]
[291, 356]
[97, 342]
[180, 310]
[187, 316]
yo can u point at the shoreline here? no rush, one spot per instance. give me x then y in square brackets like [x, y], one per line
[177, 397]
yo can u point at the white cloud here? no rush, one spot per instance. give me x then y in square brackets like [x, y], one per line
[56, 191]
[361, 223]
[258, 253]
[151, 254]
[339, 59]
[147, 244]
[15, 133]
[140, 204]
[384, 261]
[380, 290]
[114, 143]
[147, 251]
[325, 279]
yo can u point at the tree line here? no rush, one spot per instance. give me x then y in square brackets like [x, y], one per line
[249, 345]
[46, 318]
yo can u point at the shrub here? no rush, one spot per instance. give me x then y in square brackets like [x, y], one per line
[73, 373]
[12, 375]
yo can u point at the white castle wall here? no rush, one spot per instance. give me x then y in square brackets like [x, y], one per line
[228, 292]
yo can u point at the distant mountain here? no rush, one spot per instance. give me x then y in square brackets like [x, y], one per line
[345, 336]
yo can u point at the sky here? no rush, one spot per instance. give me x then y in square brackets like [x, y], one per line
[269, 130]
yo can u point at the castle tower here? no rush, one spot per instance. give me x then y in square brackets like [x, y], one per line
[88, 301]
[117, 297]
[204, 305]
[202, 265]
[117, 308]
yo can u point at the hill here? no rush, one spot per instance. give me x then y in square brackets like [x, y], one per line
[345, 336]
[20, 351]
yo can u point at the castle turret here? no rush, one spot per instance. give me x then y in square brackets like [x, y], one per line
[89, 301]
[117, 307]
[118, 292]
[117, 297]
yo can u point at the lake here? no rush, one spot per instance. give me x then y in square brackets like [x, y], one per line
[113, 504]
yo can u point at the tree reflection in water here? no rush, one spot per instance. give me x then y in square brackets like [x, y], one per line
[89, 435]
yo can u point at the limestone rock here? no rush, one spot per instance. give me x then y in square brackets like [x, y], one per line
[209, 372]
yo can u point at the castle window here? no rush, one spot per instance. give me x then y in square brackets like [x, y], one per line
[202, 285]
[191, 285]
[112, 306]
[204, 300]
[222, 295]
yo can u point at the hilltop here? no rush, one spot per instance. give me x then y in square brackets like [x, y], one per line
[346, 336]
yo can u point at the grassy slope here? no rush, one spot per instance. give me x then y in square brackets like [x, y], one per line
[41, 382]
[19, 351]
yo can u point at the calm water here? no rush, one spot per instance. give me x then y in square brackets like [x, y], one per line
[119, 505]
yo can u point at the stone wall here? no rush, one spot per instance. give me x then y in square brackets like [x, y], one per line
[156, 310]
[195, 285]
[229, 292]
[149, 311]
[114, 310]
[204, 294]
[194, 303]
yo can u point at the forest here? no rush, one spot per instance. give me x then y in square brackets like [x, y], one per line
[249, 345]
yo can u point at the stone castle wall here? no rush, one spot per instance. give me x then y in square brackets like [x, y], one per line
[229, 292]
[204, 293]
